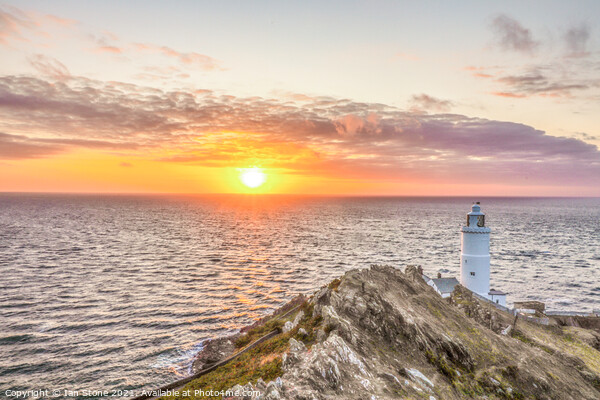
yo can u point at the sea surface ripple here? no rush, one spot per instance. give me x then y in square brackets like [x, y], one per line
[104, 292]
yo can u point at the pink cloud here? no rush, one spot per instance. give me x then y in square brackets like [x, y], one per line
[12, 24]
[61, 21]
[197, 60]
[15, 24]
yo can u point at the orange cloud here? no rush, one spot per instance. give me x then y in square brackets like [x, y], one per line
[510, 95]
[109, 49]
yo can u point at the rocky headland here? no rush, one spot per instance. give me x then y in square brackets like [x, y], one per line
[380, 333]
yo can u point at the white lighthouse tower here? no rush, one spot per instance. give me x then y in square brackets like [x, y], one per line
[475, 253]
[475, 257]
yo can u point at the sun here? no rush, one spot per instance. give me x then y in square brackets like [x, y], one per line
[252, 177]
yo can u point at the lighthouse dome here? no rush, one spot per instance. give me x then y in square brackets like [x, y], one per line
[476, 210]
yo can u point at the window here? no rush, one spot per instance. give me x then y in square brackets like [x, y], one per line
[468, 219]
[496, 301]
[481, 220]
[472, 273]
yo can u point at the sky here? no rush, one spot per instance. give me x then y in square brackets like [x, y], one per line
[335, 98]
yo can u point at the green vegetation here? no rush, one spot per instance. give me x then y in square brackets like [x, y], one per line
[498, 388]
[517, 334]
[310, 322]
[465, 381]
[258, 332]
[334, 284]
[263, 361]
[442, 366]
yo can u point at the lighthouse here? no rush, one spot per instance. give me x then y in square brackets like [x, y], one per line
[474, 261]
[475, 257]
[475, 253]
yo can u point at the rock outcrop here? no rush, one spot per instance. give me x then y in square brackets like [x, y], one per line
[380, 333]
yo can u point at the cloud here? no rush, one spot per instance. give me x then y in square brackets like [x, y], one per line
[511, 35]
[109, 49]
[16, 24]
[108, 43]
[536, 83]
[552, 77]
[48, 66]
[66, 22]
[480, 72]
[12, 23]
[105, 43]
[586, 137]
[509, 95]
[426, 102]
[314, 135]
[193, 59]
[17, 147]
[576, 40]
[350, 125]
[548, 80]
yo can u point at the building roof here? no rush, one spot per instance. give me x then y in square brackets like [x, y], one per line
[445, 285]
[496, 292]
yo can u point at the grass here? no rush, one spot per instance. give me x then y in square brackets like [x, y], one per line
[264, 361]
[258, 332]
[442, 366]
[517, 334]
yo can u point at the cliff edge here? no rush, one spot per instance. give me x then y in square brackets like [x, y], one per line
[380, 333]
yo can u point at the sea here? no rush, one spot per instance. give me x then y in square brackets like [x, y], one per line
[119, 292]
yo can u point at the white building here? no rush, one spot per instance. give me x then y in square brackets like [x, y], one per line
[443, 286]
[497, 296]
[475, 257]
